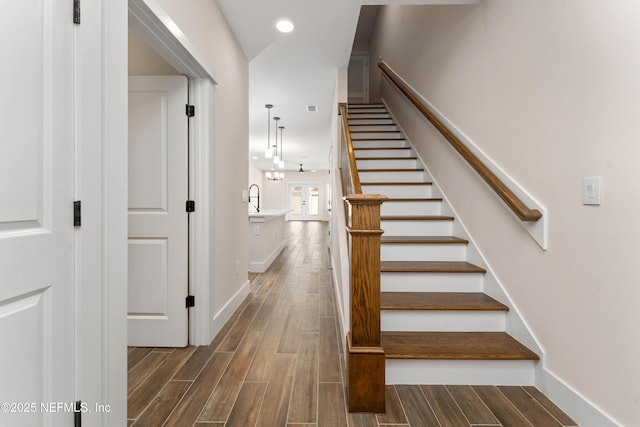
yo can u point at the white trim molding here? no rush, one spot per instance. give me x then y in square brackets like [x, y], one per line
[262, 266]
[223, 316]
[157, 28]
[582, 410]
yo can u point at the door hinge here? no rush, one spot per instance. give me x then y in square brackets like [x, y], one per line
[76, 11]
[191, 206]
[191, 301]
[77, 414]
[191, 110]
[77, 213]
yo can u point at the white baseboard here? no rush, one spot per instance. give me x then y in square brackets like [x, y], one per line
[262, 266]
[582, 410]
[222, 316]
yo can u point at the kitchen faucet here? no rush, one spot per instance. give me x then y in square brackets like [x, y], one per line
[257, 197]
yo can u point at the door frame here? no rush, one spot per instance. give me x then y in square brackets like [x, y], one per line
[101, 165]
[155, 26]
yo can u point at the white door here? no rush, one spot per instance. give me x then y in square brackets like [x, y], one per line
[37, 288]
[158, 221]
[305, 202]
[358, 78]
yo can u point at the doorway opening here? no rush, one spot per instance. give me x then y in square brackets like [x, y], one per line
[153, 26]
[305, 202]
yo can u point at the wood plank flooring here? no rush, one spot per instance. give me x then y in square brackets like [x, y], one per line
[279, 362]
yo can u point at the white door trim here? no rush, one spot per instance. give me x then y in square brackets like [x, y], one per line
[101, 263]
[155, 26]
[101, 293]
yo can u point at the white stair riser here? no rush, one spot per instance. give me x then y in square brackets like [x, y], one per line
[387, 164]
[460, 372]
[442, 321]
[383, 153]
[354, 120]
[373, 128]
[363, 115]
[399, 191]
[417, 228]
[365, 110]
[422, 252]
[413, 176]
[376, 135]
[431, 282]
[376, 143]
[411, 208]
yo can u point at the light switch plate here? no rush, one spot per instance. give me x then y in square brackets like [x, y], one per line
[591, 190]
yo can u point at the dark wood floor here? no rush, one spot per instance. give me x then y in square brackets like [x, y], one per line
[278, 362]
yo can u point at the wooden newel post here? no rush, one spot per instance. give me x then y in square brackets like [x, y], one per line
[365, 359]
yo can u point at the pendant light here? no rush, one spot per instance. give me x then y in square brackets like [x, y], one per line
[268, 153]
[276, 158]
[281, 164]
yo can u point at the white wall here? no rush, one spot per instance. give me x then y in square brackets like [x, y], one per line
[339, 244]
[550, 91]
[205, 26]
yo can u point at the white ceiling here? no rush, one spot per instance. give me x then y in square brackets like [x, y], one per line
[297, 69]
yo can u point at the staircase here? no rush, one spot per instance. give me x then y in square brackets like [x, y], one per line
[438, 327]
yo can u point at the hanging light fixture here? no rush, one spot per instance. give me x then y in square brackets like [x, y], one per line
[268, 153]
[274, 176]
[276, 158]
[281, 164]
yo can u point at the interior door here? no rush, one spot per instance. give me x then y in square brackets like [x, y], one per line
[158, 221]
[358, 78]
[37, 288]
[305, 202]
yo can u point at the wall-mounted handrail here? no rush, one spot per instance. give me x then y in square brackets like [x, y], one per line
[518, 207]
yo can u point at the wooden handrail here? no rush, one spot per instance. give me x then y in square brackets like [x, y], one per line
[353, 169]
[521, 210]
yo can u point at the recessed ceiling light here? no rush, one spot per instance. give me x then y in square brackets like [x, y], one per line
[285, 26]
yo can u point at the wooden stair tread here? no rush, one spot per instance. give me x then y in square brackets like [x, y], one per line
[394, 183]
[375, 131]
[423, 239]
[377, 139]
[355, 113]
[416, 218]
[372, 124]
[439, 301]
[386, 158]
[379, 148]
[390, 170]
[429, 267]
[413, 199]
[454, 345]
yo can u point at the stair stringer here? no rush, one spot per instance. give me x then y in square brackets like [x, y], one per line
[515, 324]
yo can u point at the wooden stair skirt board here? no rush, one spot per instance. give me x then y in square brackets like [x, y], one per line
[437, 324]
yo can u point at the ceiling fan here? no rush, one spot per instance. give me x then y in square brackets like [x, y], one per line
[300, 170]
